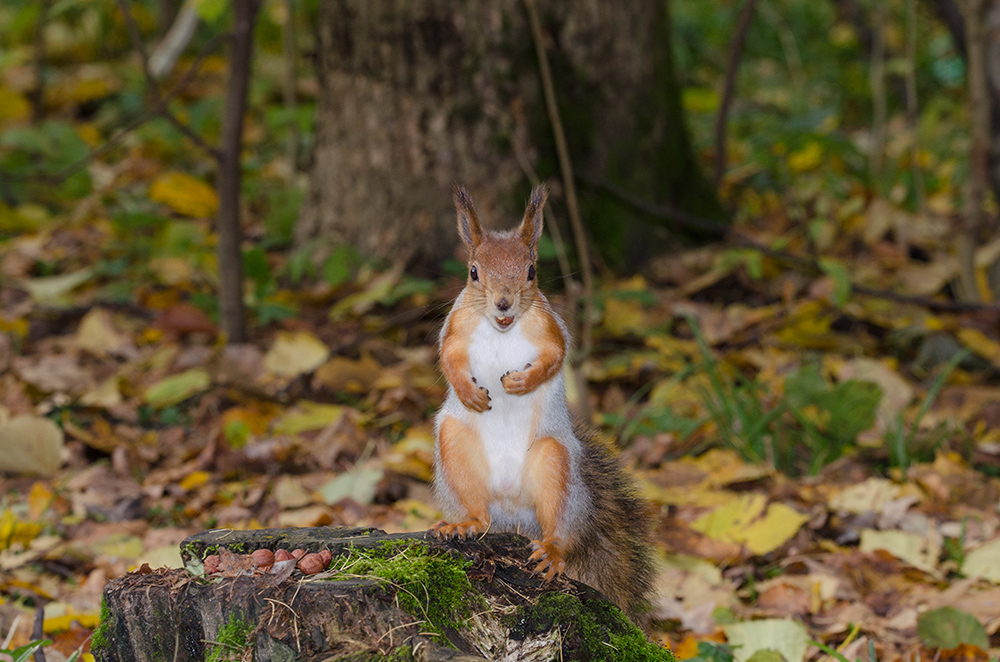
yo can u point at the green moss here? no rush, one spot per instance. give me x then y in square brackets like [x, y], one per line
[431, 586]
[100, 641]
[231, 642]
[594, 629]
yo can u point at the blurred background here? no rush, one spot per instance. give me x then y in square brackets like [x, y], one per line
[227, 245]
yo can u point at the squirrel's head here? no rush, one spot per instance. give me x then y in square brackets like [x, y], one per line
[502, 283]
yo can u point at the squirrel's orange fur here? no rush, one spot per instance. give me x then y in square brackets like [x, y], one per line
[508, 455]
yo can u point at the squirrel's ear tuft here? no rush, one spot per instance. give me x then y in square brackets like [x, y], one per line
[531, 227]
[468, 222]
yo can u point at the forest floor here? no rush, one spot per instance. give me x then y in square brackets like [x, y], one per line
[823, 458]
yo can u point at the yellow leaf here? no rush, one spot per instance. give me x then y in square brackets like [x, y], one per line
[413, 455]
[308, 416]
[88, 620]
[178, 388]
[918, 551]
[295, 352]
[39, 499]
[981, 344]
[767, 534]
[13, 106]
[727, 521]
[625, 316]
[185, 194]
[194, 480]
[806, 158]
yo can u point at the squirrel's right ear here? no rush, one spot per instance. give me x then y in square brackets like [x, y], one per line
[468, 221]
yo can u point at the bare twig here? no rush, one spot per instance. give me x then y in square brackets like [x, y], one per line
[231, 311]
[729, 87]
[912, 109]
[876, 73]
[288, 88]
[38, 54]
[979, 109]
[148, 115]
[565, 166]
[159, 102]
[38, 631]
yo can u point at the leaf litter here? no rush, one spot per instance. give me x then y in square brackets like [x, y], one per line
[811, 492]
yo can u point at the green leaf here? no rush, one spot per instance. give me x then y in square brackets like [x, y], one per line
[177, 388]
[948, 628]
[211, 11]
[337, 268]
[841, 277]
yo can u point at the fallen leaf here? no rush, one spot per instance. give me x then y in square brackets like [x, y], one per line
[947, 627]
[358, 484]
[177, 388]
[984, 562]
[308, 416]
[185, 194]
[97, 333]
[30, 445]
[912, 548]
[785, 636]
[295, 352]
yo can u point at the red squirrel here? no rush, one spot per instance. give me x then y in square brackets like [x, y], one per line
[508, 456]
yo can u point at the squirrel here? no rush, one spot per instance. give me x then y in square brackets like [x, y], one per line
[508, 456]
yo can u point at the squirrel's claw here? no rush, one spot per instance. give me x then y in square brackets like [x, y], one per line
[463, 530]
[477, 399]
[548, 556]
[516, 382]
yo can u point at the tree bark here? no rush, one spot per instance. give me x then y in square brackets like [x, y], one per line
[418, 96]
[183, 615]
[231, 312]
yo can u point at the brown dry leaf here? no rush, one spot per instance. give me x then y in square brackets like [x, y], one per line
[97, 334]
[183, 318]
[235, 565]
[30, 445]
[413, 455]
[53, 373]
[341, 374]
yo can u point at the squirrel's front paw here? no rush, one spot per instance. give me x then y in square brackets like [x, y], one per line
[516, 382]
[549, 556]
[476, 398]
[463, 530]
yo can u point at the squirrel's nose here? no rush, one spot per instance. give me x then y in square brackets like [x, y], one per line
[503, 305]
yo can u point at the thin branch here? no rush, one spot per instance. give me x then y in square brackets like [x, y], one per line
[148, 115]
[693, 221]
[979, 109]
[876, 77]
[729, 87]
[153, 85]
[565, 166]
[913, 109]
[38, 55]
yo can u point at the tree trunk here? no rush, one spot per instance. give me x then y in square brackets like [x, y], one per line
[419, 95]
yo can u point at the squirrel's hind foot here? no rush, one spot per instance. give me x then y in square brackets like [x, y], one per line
[549, 556]
[460, 531]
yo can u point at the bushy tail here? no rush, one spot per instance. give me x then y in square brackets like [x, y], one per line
[614, 552]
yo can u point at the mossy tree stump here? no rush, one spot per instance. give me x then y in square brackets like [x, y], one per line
[400, 597]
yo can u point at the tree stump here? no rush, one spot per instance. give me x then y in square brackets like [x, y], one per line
[399, 596]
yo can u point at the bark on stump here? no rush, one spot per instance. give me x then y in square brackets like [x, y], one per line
[179, 614]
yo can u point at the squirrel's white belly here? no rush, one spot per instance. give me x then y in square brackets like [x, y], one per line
[508, 428]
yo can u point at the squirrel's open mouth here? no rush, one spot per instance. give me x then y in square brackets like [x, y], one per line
[504, 322]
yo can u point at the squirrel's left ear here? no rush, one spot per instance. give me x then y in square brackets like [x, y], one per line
[531, 227]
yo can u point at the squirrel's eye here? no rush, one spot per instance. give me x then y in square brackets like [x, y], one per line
[531, 272]
[474, 274]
